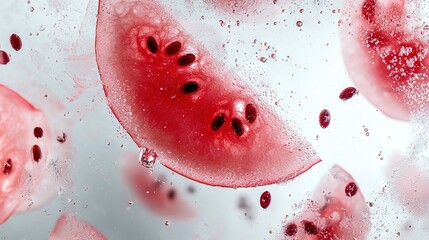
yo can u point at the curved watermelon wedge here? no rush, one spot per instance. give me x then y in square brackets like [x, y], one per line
[170, 94]
[387, 60]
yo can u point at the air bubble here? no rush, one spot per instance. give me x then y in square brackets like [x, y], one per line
[147, 157]
[299, 23]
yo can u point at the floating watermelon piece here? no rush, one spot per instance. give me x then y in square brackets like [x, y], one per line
[25, 143]
[336, 211]
[154, 191]
[384, 57]
[170, 95]
[70, 227]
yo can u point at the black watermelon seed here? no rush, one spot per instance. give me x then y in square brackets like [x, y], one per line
[185, 60]
[38, 132]
[237, 126]
[173, 48]
[152, 45]
[37, 153]
[7, 167]
[190, 87]
[250, 113]
[310, 228]
[218, 122]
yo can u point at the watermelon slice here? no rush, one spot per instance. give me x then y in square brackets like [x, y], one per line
[70, 227]
[171, 95]
[25, 143]
[154, 191]
[386, 56]
[336, 211]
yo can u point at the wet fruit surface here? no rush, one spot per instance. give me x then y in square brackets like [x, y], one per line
[71, 227]
[170, 95]
[154, 191]
[23, 161]
[386, 60]
[332, 212]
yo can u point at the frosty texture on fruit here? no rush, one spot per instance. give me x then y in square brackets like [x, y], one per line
[154, 191]
[24, 151]
[172, 96]
[337, 210]
[70, 227]
[385, 58]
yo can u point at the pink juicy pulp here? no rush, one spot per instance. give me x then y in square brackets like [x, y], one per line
[155, 192]
[332, 213]
[145, 86]
[20, 174]
[387, 62]
[70, 227]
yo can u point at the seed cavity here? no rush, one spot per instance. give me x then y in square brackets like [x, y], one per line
[37, 153]
[237, 126]
[152, 45]
[7, 167]
[38, 132]
[186, 59]
[173, 48]
[218, 122]
[250, 113]
[190, 87]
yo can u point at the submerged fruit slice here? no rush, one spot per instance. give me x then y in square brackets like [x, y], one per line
[336, 211]
[154, 191]
[23, 158]
[169, 94]
[384, 57]
[70, 227]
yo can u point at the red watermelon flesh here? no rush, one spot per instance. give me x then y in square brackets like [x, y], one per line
[23, 159]
[170, 94]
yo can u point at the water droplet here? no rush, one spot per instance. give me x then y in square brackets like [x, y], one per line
[147, 157]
